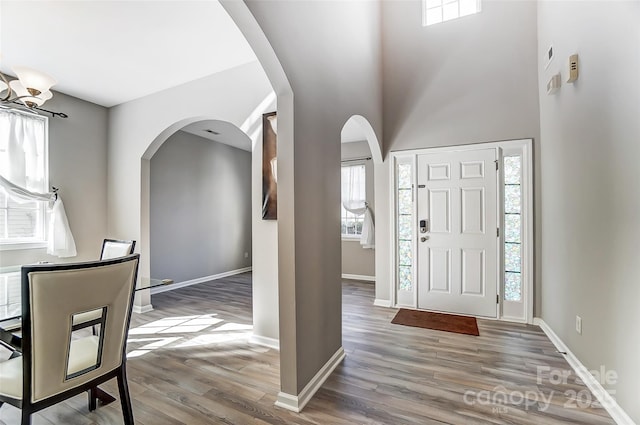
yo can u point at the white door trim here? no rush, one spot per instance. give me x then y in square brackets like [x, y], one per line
[525, 148]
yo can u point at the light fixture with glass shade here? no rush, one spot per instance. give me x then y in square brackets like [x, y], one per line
[31, 88]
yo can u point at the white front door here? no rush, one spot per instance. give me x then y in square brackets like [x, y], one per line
[457, 266]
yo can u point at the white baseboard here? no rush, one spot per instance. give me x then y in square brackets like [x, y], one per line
[603, 396]
[513, 319]
[359, 277]
[382, 303]
[265, 341]
[142, 308]
[297, 403]
[171, 287]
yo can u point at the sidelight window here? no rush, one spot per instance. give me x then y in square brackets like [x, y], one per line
[513, 228]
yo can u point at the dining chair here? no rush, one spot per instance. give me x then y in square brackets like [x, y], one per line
[56, 362]
[113, 248]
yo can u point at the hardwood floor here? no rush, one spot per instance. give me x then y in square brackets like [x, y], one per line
[190, 363]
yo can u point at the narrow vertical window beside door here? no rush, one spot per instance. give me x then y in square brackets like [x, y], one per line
[513, 228]
[405, 227]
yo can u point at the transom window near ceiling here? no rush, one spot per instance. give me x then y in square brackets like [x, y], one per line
[436, 11]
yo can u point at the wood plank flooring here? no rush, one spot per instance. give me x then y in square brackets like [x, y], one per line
[190, 363]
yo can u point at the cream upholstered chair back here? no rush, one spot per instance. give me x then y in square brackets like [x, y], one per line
[114, 248]
[55, 359]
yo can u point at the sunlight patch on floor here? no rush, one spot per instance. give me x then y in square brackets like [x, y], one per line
[181, 327]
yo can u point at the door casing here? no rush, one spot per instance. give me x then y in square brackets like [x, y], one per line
[523, 311]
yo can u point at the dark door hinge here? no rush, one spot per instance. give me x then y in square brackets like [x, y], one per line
[497, 232]
[497, 298]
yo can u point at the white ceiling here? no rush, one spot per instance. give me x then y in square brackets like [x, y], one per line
[352, 132]
[110, 52]
[228, 133]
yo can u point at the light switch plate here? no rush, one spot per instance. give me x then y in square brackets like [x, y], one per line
[579, 324]
[554, 84]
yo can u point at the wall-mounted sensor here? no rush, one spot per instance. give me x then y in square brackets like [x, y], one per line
[572, 72]
[554, 84]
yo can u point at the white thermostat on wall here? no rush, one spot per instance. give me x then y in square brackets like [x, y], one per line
[572, 72]
[554, 84]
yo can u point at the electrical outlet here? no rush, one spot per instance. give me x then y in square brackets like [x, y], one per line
[246, 255]
[579, 324]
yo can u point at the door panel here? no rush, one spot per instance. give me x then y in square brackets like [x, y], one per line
[439, 171]
[440, 211]
[473, 210]
[473, 276]
[440, 270]
[457, 265]
[472, 170]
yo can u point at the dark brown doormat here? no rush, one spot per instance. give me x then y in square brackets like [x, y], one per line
[438, 321]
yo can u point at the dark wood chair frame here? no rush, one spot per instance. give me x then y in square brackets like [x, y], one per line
[120, 373]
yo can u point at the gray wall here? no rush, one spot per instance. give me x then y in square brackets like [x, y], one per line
[355, 259]
[200, 208]
[465, 81]
[590, 135]
[78, 167]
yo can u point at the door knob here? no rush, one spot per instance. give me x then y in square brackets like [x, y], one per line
[424, 238]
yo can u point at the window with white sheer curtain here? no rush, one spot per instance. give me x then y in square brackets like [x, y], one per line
[354, 198]
[23, 161]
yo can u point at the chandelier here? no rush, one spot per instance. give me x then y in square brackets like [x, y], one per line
[31, 87]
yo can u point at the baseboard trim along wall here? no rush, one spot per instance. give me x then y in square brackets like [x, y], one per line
[359, 277]
[171, 287]
[603, 396]
[265, 341]
[297, 403]
[142, 309]
[382, 303]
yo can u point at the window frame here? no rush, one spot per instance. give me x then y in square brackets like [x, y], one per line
[352, 237]
[14, 244]
[426, 9]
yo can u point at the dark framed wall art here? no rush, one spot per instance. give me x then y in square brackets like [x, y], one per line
[269, 166]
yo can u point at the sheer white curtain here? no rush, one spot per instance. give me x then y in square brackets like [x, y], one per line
[22, 176]
[354, 200]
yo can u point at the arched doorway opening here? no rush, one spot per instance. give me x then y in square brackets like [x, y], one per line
[261, 247]
[360, 154]
[357, 217]
[200, 204]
